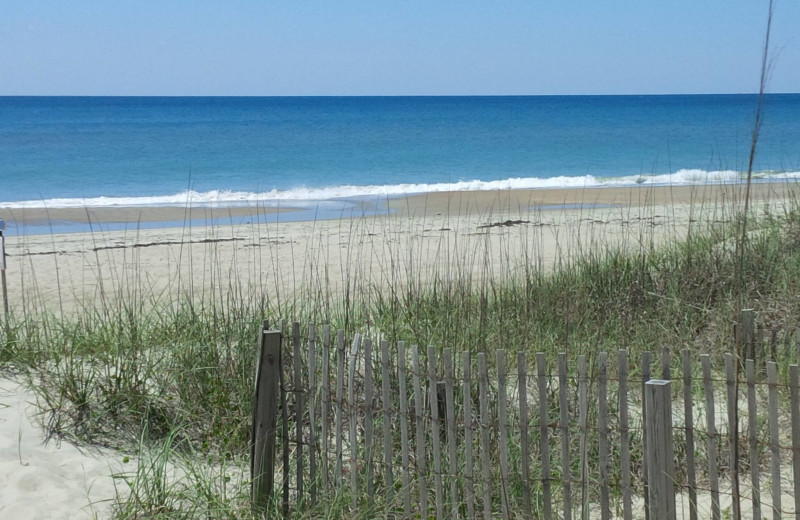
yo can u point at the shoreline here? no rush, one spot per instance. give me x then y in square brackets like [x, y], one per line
[38, 221]
[458, 236]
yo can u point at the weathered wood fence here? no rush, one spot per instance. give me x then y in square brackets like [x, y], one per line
[400, 431]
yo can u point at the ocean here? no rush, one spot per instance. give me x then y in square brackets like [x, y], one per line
[122, 151]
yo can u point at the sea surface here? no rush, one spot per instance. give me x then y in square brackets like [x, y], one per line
[329, 152]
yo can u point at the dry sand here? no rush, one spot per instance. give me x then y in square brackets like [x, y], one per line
[449, 236]
[44, 480]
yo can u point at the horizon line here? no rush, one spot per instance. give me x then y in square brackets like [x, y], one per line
[381, 95]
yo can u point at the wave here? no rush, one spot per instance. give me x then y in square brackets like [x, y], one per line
[224, 198]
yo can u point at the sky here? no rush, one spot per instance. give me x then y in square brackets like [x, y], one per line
[402, 47]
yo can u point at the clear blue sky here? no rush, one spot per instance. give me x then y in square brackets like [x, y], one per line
[408, 47]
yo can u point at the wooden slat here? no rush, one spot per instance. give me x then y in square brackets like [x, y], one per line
[369, 425]
[326, 405]
[666, 369]
[544, 435]
[752, 429]
[469, 483]
[794, 392]
[688, 429]
[522, 386]
[711, 430]
[502, 416]
[452, 454]
[340, 355]
[583, 412]
[747, 334]
[563, 403]
[733, 432]
[486, 420]
[436, 431]
[658, 396]
[602, 433]
[404, 441]
[312, 400]
[353, 407]
[298, 409]
[419, 409]
[774, 439]
[388, 473]
[284, 430]
[624, 435]
[646, 361]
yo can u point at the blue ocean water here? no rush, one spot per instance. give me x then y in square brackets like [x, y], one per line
[96, 151]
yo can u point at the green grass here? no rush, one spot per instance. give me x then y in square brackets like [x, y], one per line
[171, 378]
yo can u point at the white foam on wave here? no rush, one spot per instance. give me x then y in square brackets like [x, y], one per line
[273, 197]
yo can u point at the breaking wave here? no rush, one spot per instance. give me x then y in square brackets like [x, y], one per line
[304, 194]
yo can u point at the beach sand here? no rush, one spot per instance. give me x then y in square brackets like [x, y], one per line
[49, 480]
[425, 238]
[419, 238]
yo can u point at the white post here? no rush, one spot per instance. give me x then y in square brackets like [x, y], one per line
[3, 268]
[660, 466]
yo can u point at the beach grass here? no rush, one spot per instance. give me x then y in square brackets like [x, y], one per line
[168, 375]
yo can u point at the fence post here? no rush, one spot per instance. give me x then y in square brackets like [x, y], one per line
[660, 467]
[265, 412]
[747, 335]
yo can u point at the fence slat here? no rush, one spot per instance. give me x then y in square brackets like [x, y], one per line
[794, 390]
[284, 433]
[353, 406]
[340, 353]
[388, 473]
[659, 428]
[452, 454]
[483, 398]
[563, 403]
[624, 434]
[312, 401]
[369, 426]
[711, 444]
[733, 431]
[752, 427]
[602, 427]
[326, 405]
[436, 432]
[688, 428]
[583, 411]
[469, 483]
[502, 417]
[403, 400]
[544, 435]
[522, 386]
[419, 409]
[747, 334]
[298, 408]
[774, 438]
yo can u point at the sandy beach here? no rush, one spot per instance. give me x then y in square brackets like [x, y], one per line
[435, 236]
[465, 236]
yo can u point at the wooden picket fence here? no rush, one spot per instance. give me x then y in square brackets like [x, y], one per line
[399, 431]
